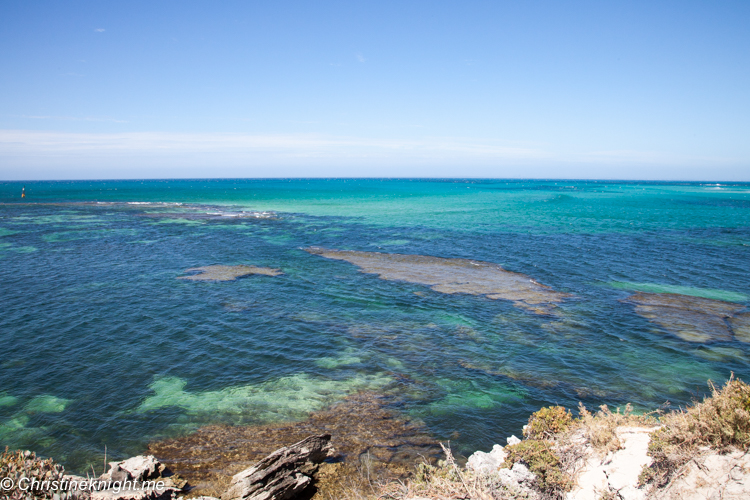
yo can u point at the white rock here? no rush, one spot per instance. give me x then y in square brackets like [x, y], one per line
[714, 476]
[483, 462]
[513, 440]
[617, 471]
[518, 475]
[518, 481]
[137, 468]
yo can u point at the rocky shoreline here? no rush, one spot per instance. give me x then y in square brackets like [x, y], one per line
[293, 472]
[700, 452]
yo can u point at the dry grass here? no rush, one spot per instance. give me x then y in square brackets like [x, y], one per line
[555, 442]
[540, 452]
[599, 429]
[449, 481]
[720, 422]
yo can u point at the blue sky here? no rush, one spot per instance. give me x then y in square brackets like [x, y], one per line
[601, 89]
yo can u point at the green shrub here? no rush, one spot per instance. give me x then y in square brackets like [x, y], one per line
[540, 457]
[547, 422]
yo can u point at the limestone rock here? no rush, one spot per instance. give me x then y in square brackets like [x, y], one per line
[483, 462]
[519, 476]
[283, 474]
[618, 471]
[513, 440]
[136, 493]
[710, 477]
[137, 468]
[138, 478]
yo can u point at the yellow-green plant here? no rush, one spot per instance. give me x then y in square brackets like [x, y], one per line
[720, 422]
[541, 459]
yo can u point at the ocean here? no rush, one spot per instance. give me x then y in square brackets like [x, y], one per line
[102, 345]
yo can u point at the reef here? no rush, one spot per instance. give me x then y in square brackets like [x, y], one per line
[454, 276]
[210, 215]
[227, 273]
[740, 324]
[369, 438]
[695, 319]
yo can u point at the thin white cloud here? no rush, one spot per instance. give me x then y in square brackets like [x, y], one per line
[301, 145]
[360, 57]
[73, 118]
[99, 30]
[29, 154]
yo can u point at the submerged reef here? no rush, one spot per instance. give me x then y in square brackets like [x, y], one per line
[367, 435]
[285, 398]
[207, 213]
[454, 276]
[740, 324]
[227, 273]
[695, 319]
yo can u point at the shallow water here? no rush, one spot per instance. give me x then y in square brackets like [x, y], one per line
[103, 345]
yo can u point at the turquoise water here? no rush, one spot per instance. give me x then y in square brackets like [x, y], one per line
[100, 344]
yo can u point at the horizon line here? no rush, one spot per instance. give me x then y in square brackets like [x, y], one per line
[390, 178]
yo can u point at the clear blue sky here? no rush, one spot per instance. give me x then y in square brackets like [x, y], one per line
[600, 89]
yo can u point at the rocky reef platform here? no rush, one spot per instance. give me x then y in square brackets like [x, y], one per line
[454, 276]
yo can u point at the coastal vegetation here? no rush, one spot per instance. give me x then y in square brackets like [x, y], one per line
[720, 422]
[555, 446]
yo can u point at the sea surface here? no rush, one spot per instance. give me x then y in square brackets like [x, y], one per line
[101, 344]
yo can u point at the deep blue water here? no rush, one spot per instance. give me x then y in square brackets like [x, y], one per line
[100, 344]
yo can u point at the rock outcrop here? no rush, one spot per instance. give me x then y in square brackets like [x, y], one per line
[517, 480]
[283, 474]
[492, 461]
[597, 475]
[615, 473]
[138, 478]
[714, 476]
